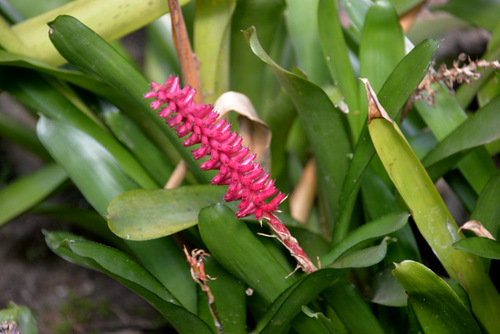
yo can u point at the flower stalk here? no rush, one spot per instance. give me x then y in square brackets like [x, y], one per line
[247, 181]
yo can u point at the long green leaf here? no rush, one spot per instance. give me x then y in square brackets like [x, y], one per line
[336, 52]
[394, 94]
[240, 252]
[487, 210]
[324, 126]
[148, 214]
[433, 219]
[483, 247]
[382, 46]
[212, 35]
[367, 232]
[92, 54]
[438, 308]
[365, 257]
[25, 192]
[124, 269]
[128, 16]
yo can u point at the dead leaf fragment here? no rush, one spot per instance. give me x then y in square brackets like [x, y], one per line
[255, 132]
[375, 109]
[477, 228]
[302, 197]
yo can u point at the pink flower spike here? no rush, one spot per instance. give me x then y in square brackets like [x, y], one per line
[247, 181]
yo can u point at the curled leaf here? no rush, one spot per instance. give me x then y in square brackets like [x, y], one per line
[255, 132]
[375, 109]
[477, 228]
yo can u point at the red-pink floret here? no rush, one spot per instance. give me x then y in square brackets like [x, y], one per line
[247, 181]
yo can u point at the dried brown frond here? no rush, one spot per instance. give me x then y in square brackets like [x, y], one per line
[460, 72]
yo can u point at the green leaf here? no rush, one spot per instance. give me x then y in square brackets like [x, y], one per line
[24, 193]
[438, 308]
[290, 303]
[364, 257]
[351, 308]
[212, 32]
[479, 246]
[336, 52]
[33, 32]
[394, 94]
[141, 147]
[124, 269]
[433, 219]
[92, 54]
[144, 214]
[77, 78]
[367, 232]
[91, 167]
[323, 125]
[381, 48]
[479, 129]
[234, 246]
[22, 316]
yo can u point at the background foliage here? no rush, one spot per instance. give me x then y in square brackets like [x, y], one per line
[375, 211]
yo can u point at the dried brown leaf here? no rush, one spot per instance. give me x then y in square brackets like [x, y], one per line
[477, 228]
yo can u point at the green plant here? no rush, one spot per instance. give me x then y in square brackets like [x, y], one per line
[373, 169]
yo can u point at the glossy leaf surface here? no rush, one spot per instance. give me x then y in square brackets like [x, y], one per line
[438, 308]
[153, 213]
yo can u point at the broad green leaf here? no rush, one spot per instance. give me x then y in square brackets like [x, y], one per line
[77, 78]
[445, 120]
[303, 35]
[23, 317]
[100, 179]
[365, 257]
[382, 46]
[141, 147]
[479, 246]
[336, 52]
[124, 269]
[92, 54]
[234, 246]
[479, 129]
[324, 126]
[212, 35]
[433, 219]
[367, 232]
[128, 16]
[328, 325]
[290, 303]
[394, 94]
[39, 95]
[438, 308]
[351, 308]
[91, 167]
[479, 12]
[22, 194]
[144, 214]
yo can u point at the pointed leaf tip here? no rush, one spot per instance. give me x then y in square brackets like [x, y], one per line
[375, 109]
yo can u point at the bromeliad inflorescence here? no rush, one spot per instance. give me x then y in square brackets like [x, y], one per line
[247, 181]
